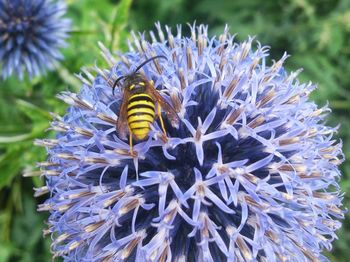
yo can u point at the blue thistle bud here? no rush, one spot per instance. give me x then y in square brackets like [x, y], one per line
[31, 32]
[250, 173]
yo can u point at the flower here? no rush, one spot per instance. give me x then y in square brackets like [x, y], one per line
[31, 32]
[249, 174]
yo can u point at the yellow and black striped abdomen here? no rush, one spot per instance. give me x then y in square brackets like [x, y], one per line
[140, 114]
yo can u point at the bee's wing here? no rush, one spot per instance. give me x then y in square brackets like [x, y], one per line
[122, 122]
[167, 108]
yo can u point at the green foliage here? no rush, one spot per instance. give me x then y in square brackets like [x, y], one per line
[315, 32]
[24, 116]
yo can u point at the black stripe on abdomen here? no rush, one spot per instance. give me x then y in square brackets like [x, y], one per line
[140, 106]
[140, 97]
[140, 114]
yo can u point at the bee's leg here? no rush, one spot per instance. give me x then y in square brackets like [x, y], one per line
[130, 141]
[161, 119]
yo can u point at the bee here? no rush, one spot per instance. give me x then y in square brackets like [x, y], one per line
[139, 104]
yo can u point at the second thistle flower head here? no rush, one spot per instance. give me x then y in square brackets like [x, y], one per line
[249, 174]
[31, 32]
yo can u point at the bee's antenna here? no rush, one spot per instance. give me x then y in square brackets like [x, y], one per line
[116, 82]
[149, 60]
[137, 69]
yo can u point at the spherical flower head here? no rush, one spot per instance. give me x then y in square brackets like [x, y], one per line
[31, 32]
[249, 174]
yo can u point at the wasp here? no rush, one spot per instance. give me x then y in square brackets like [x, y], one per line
[139, 103]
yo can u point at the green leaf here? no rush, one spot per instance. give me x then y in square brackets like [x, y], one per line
[14, 139]
[10, 165]
[69, 78]
[119, 23]
[5, 251]
[337, 41]
[32, 111]
[28, 220]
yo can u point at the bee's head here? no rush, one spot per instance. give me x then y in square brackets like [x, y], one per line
[135, 77]
[129, 81]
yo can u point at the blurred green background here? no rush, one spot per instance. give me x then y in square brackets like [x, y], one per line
[315, 32]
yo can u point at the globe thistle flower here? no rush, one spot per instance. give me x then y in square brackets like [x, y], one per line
[31, 32]
[250, 173]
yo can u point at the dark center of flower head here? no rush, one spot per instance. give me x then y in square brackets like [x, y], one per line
[31, 31]
[247, 169]
[21, 20]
